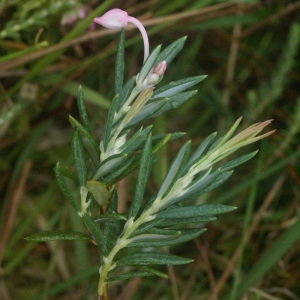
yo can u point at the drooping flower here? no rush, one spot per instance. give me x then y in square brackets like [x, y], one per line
[117, 19]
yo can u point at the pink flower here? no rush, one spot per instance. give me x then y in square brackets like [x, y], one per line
[113, 19]
[117, 19]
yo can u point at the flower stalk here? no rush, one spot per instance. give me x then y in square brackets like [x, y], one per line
[117, 19]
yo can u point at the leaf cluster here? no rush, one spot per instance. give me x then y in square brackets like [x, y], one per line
[163, 220]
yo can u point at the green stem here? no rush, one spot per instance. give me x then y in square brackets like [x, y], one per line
[122, 242]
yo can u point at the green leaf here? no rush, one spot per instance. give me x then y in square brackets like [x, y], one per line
[82, 110]
[184, 236]
[195, 211]
[176, 165]
[152, 258]
[126, 91]
[148, 65]
[58, 235]
[109, 122]
[148, 225]
[238, 161]
[122, 171]
[171, 51]
[96, 232]
[175, 87]
[154, 272]
[143, 176]
[136, 140]
[100, 193]
[173, 102]
[109, 217]
[147, 112]
[129, 276]
[87, 140]
[64, 187]
[182, 221]
[109, 165]
[112, 230]
[152, 240]
[119, 68]
[200, 149]
[79, 158]
[221, 178]
[202, 185]
[68, 172]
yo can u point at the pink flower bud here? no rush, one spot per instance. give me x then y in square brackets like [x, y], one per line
[113, 19]
[160, 68]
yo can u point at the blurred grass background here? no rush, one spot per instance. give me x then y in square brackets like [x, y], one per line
[249, 50]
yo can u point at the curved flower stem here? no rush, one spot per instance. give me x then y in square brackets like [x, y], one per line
[140, 26]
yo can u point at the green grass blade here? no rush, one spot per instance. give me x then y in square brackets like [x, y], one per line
[270, 258]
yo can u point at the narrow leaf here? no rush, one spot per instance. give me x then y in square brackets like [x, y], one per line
[143, 176]
[112, 230]
[186, 235]
[109, 165]
[182, 221]
[238, 161]
[152, 258]
[201, 148]
[136, 140]
[221, 178]
[119, 67]
[173, 102]
[121, 172]
[96, 232]
[82, 110]
[79, 158]
[87, 140]
[126, 91]
[64, 187]
[171, 51]
[151, 240]
[109, 122]
[173, 170]
[68, 172]
[154, 272]
[147, 112]
[129, 276]
[109, 217]
[195, 211]
[148, 225]
[148, 65]
[58, 235]
[175, 87]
